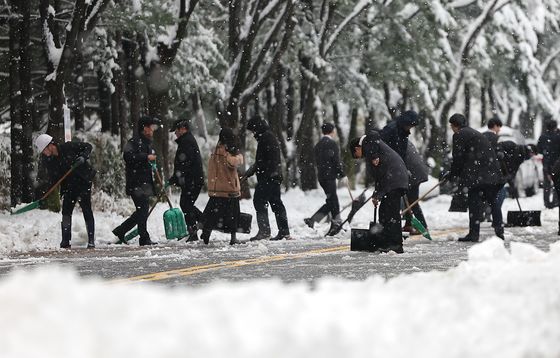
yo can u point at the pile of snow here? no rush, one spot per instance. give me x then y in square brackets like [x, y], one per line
[499, 303]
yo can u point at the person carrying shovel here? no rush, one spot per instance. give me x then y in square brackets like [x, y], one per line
[138, 154]
[391, 183]
[70, 160]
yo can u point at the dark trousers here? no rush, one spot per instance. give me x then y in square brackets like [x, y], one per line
[269, 193]
[138, 218]
[331, 205]
[68, 203]
[477, 195]
[550, 195]
[192, 213]
[412, 195]
[390, 217]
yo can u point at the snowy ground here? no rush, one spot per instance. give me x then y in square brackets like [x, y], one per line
[494, 301]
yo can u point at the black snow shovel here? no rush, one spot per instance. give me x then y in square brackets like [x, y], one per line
[367, 239]
[523, 218]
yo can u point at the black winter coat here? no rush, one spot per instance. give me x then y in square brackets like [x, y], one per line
[511, 156]
[416, 166]
[327, 158]
[549, 146]
[268, 164]
[81, 177]
[474, 160]
[138, 169]
[391, 173]
[396, 137]
[187, 171]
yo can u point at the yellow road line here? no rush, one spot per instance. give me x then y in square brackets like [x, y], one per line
[188, 271]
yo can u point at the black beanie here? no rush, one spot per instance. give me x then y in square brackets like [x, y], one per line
[327, 128]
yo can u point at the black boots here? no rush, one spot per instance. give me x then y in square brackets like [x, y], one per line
[90, 225]
[499, 231]
[233, 240]
[260, 236]
[281, 236]
[145, 241]
[66, 226]
[205, 236]
[469, 238]
[193, 234]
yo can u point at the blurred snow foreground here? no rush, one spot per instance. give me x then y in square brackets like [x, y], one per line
[500, 303]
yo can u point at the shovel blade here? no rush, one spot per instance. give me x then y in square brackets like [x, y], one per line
[523, 218]
[418, 226]
[26, 208]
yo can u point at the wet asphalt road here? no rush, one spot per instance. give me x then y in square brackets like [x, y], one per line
[182, 264]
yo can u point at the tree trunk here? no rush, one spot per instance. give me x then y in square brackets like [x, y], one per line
[467, 102]
[198, 115]
[290, 103]
[27, 104]
[491, 98]
[55, 88]
[483, 103]
[104, 103]
[16, 133]
[119, 83]
[78, 92]
[134, 72]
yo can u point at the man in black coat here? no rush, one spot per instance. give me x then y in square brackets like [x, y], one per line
[391, 183]
[329, 169]
[268, 168]
[187, 174]
[395, 133]
[476, 167]
[59, 159]
[549, 146]
[138, 153]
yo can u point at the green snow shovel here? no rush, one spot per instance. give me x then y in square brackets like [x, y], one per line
[415, 222]
[37, 203]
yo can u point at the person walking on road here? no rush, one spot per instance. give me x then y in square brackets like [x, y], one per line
[391, 183]
[549, 146]
[222, 210]
[329, 169]
[138, 153]
[476, 167]
[268, 168]
[59, 159]
[187, 174]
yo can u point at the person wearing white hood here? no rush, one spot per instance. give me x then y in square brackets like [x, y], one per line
[76, 187]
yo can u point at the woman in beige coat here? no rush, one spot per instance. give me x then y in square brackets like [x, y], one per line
[222, 210]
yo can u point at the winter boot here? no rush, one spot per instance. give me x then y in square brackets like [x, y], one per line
[119, 235]
[66, 226]
[260, 236]
[499, 231]
[233, 240]
[316, 218]
[205, 236]
[281, 236]
[146, 241]
[193, 234]
[469, 238]
[91, 234]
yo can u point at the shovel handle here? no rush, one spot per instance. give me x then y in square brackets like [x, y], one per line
[422, 197]
[160, 180]
[57, 184]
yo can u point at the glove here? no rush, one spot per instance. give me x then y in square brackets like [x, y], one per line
[153, 165]
[79, 161]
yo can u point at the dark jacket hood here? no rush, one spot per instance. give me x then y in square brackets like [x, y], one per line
[257, 125]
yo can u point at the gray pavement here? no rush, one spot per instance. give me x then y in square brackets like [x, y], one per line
[180, 264]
